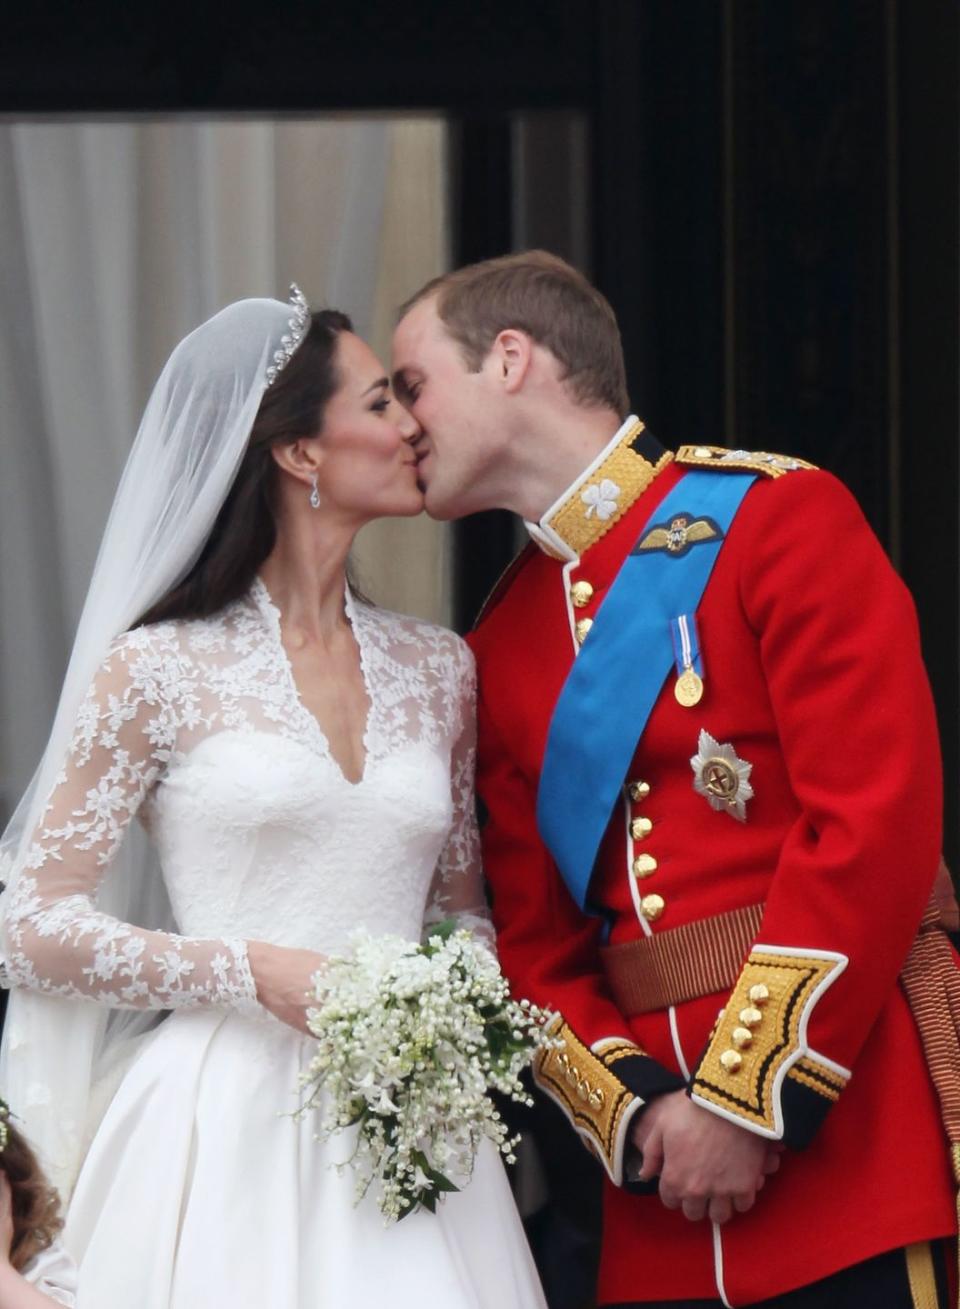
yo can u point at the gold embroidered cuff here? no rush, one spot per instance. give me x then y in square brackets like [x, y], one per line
[758, 1070]
[601, 1088]
[597, 1103]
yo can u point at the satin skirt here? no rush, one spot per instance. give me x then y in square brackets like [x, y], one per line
[200, 1188]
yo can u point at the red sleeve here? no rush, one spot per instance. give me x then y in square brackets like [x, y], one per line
[841, 656]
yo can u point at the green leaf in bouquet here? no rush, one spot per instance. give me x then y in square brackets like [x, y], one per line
[444, 930]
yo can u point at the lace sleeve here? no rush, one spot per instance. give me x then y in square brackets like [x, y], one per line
[56, 940]
[458, 886]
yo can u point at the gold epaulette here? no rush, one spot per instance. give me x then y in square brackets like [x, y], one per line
[740, 461]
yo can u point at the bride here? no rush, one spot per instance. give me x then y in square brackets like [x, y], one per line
[302, 764]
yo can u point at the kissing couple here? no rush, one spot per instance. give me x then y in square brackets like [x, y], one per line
[697, 717]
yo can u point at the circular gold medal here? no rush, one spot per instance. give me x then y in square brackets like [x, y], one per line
[688, 689]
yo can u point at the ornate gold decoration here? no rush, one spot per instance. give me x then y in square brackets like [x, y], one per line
[793, 983]
[721, 776]
[750, 461]
[585, 1088]
[677, 537]
[598, 503]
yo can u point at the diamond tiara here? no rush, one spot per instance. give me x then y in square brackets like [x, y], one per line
[296, 331]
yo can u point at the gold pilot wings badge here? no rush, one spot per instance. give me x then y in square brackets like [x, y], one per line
[679, 535]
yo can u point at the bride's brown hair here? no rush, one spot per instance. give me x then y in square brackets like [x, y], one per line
[36, 1204]
[245, 530]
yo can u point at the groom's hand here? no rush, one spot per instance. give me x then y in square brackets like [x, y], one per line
[708, 1167]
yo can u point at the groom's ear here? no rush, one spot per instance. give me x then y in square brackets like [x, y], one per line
[512, 352]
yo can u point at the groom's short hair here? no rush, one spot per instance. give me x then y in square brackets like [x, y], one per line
[540, 294]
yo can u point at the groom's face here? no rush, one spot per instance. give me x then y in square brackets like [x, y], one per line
[455, 408]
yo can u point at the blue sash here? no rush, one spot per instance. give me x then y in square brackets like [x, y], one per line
[615, 680]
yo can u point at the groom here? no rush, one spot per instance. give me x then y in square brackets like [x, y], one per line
[710, 761]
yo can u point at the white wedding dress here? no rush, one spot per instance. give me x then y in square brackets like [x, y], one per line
[199, 1190]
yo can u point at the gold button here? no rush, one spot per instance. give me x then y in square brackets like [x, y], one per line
[742, 1037]
[639, 790]
[730, 1061]
[581, 593]
[751, 1017]
[702, 452]
[582, 628]
[640, 827]
[758, 994]
[652, 906]
[644, 865]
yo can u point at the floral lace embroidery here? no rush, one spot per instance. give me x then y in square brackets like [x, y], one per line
[163, 691]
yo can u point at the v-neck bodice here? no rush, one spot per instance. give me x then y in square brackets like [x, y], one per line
[312, 727]
[198, 726]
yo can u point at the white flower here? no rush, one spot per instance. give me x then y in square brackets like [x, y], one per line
[410, 1041]
[601, 498]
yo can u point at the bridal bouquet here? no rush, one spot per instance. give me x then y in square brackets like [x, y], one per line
[411, 1038]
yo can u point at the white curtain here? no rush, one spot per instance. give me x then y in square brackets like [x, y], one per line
[116, 239]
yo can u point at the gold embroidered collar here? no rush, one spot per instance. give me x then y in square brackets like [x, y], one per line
[602, 494]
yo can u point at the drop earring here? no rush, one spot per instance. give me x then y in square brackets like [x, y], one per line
[314, 494]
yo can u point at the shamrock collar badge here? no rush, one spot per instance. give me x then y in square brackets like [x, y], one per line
[601, 499]
[721, 777]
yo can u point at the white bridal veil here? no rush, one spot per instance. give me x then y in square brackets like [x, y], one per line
[57, 1054]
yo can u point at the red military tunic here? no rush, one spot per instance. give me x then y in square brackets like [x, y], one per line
[813, 675]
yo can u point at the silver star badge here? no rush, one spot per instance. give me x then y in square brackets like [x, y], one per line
[721, 777]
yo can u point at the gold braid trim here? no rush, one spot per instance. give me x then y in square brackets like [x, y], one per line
[609, 1054]
[828, 1092]
[763, 1028]
[578, 522]
[921, 1277]
[740, 461]
[818, 1077]
[592, 1096]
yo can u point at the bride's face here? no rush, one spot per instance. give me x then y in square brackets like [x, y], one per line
[366, 464]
